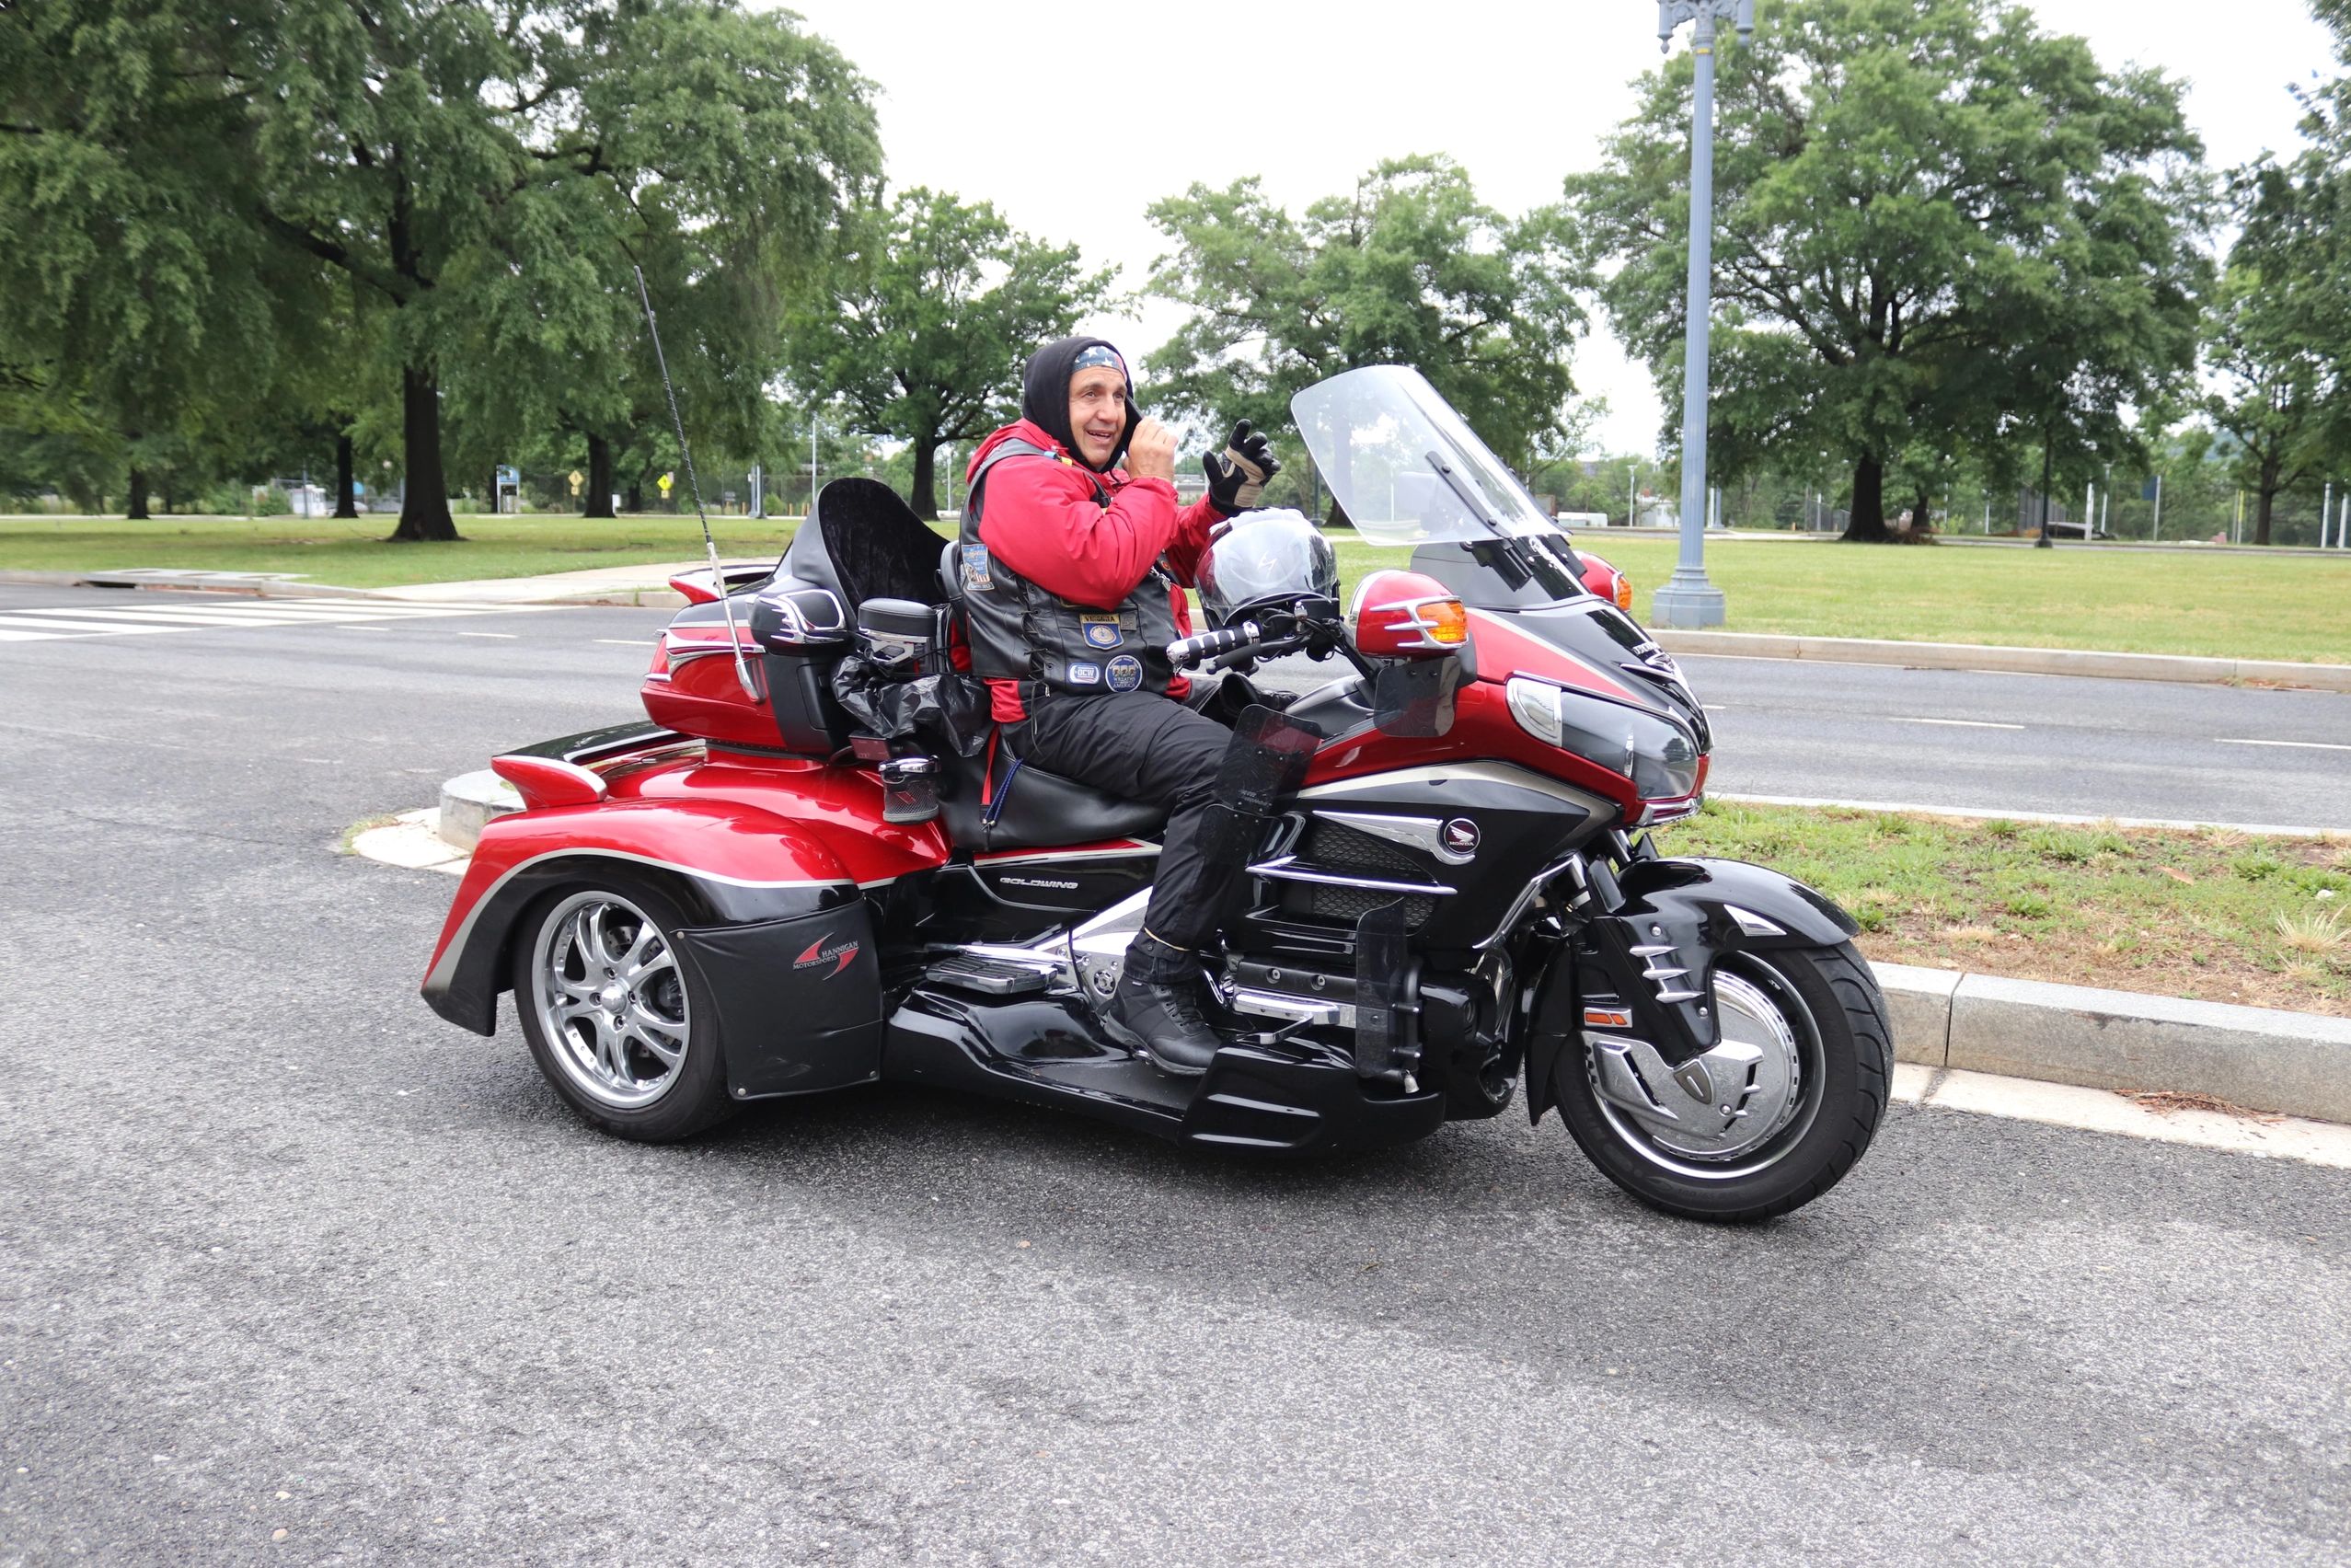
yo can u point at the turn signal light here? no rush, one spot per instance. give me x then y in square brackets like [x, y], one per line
[1408, 614]
[1624, 591]
[1606, 1018]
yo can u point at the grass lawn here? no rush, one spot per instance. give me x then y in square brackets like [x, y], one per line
[2216, 915]
[2220, 605]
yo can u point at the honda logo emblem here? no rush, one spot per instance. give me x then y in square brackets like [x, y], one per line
[1460, 838]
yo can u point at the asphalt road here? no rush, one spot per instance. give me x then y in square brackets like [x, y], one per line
[281, 1251]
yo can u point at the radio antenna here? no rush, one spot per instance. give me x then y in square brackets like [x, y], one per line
[718, 581]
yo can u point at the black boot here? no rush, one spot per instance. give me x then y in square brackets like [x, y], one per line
[1155, 1009]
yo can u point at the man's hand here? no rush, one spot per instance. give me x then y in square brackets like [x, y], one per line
[1150, 454]
[1237, 474]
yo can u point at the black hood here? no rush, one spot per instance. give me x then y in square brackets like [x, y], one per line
[1045, 393]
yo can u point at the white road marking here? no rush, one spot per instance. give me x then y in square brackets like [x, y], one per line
[41, 623]
[1957, 723]
[59, 626]
[2099, 1111]
[625, 641]
[507, 636]
[2303, 745]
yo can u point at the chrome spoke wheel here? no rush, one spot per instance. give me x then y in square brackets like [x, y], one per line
[610, 999]
[1736, 1111]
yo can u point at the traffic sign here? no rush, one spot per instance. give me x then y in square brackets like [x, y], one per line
[664, 482]
[577, 479]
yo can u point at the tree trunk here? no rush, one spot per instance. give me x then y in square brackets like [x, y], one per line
[599, 478]
[2269, 488]
[424, 508]
[633, 498]
[1922, 514]
[925, 499]
[346, 502]
[137, 511]
[1867, 524]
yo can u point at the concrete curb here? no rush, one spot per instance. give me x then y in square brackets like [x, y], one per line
[2012, 660]
[2263, 1058]
[468, 801]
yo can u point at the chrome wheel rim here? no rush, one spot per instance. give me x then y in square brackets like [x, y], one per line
[610, 1000]
[1737, 1111]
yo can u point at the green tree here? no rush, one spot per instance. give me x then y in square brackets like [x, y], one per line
[1939, 227]
[2269, 337]
[1408, 269]
[934, 305]
[132, 281]
[482, 172]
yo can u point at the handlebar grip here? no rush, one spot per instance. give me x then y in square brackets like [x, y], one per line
[1186, 651]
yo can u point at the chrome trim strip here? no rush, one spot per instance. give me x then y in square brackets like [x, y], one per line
[1472, 772]
[457, 943]
[1285, 868]
[1527, 896]
[1424, 833]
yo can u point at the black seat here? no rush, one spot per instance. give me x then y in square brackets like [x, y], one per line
[1038, 810]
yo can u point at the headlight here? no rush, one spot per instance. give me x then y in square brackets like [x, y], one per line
[1659, 756]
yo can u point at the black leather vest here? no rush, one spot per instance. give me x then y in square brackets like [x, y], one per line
[1018, 632]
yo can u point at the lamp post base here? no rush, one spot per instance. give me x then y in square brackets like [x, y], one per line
[1688, 602]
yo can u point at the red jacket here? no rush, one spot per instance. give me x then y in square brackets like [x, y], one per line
[1040, 519]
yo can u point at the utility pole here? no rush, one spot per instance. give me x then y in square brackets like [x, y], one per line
[1688, 599]
[1631, 495]
[2157, 531]
[812, 467]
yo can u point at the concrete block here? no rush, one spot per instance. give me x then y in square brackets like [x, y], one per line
[1919, 1002]
[469, 800]
[2297, 1064]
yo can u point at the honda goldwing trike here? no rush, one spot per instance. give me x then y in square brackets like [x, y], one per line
[817, 867]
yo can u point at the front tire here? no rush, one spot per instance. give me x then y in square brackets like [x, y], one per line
[1807, 1047]
[615, 1016]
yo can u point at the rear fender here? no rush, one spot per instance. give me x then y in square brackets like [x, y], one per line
[726, 864]
[1689, 913]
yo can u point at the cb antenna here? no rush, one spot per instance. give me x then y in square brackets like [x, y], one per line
[717, 582]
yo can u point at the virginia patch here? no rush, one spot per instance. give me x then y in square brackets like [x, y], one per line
[1126, 673]
[1086, 674]
[1103, 633]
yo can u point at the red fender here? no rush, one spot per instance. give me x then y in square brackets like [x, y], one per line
[727, 862]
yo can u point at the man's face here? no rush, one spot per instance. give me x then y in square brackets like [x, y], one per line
[1097, 412]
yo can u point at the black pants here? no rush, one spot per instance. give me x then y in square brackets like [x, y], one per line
[1144, 747]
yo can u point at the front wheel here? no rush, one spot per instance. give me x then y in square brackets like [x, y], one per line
[1766, 1122]
[618, 1021]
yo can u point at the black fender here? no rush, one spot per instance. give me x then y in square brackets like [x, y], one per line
[1651, 958]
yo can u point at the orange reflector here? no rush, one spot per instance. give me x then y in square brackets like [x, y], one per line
[1624, 591]
[1605, 1017]
[1447, 622]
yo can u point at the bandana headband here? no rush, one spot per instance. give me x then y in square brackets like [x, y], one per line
[1101, 357]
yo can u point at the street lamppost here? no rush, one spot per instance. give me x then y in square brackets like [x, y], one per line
[1688, 599]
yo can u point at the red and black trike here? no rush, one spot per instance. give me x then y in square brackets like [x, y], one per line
[812, 869]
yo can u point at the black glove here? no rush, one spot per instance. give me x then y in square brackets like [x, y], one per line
[1237, 474]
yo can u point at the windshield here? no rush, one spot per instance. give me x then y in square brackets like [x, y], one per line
[1405, 468]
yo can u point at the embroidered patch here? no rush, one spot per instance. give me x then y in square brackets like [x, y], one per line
[1126, 673]
[1085, 674]
[976, 568]
[1103, 633]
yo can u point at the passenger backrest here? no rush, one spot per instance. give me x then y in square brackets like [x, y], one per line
[867, 542]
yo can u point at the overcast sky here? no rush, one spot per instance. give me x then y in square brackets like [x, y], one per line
[1007, 104]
